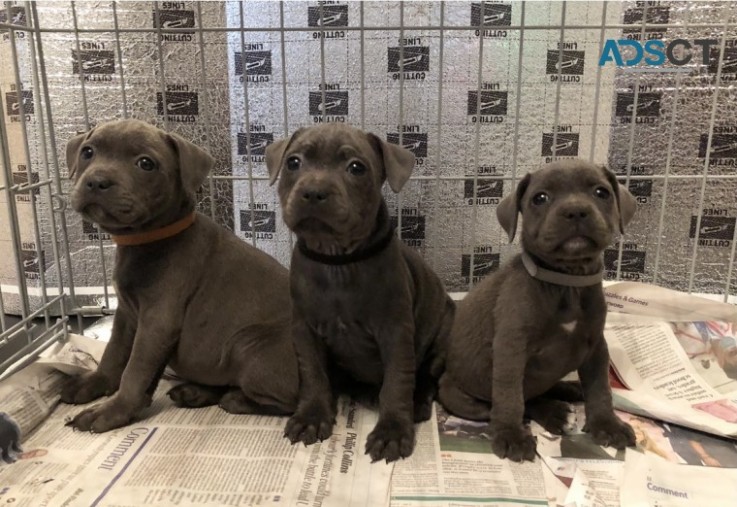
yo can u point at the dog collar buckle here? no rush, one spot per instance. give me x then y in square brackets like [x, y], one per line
[341, 259]
[556, 278]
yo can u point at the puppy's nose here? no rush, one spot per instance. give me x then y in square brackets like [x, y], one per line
[575, 213]
[314, 196]
[98, 184]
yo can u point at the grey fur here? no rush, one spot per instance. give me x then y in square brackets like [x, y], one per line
[214, 308]
[379, 322]
[10, 437]
[513, 338]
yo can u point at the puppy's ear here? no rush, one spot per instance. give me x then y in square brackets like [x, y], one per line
[626, 203]
[398, 162]
[275, 155]
[510, 207]
[73, 151]
[194, 162]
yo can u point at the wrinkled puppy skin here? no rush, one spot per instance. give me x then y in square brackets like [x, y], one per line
[380, 320]
[212, 307]
[515, 336]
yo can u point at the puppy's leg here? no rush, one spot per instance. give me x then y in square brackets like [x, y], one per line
[604, 426]
[191, 395]
[393, 437]
[235, 401]
[459, 403]
[105, 380]
[5, 453]
[426, 387]
[565, 390]
[510, 438]
[152, 346]
[315, 415]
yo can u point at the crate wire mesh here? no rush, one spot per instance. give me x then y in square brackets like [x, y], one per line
[233, 76]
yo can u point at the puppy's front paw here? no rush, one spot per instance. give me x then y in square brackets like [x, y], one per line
[86, 388]
[310, 424]
[610, 432]
[553, 415]
[390, 440]
[514, 442]
[102, 417]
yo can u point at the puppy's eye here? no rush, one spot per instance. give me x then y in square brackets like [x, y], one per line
[602, 193]
[540, 198]
[146, 164]
[87, 153]
[294, 163]
[356, 168]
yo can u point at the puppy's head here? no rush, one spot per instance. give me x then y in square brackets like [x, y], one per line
[129, 175]
[331, 178]
[571, 211]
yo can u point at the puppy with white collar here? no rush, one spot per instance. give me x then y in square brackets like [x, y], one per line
[521, 330]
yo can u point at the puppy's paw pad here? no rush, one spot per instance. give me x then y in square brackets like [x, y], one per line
[513, 442]
[611, 432]
[309, 426]
[557, 417]
[390, 440]
[192, 396]
[84, 388]
[422, 410]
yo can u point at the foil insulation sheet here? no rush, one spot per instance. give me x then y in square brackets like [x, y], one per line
[478, 100]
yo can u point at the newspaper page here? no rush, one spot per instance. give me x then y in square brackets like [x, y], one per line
[195, 457]
[453, 465]
[652, 481]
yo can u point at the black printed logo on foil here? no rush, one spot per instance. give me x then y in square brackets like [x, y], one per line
[655, 15]
[178, 104]
[648, 104]
[571, 64]
[722, 146]
[414, 142]
[17, 17]
[256, 63]
[92, 233]
[90, 61]
[175, 19]
[483, 264]
[493, 14]
[729, 63]
[713, 230]
[413, 227]
[31, 263]
[21, 178]
[13, 105]
[491, 104]
[259, 142]
[258, 221]
[633, 261]
[332, 16]
[566, 145]
[641, 190]
[336, 104]
[485, 188]
[414, 59]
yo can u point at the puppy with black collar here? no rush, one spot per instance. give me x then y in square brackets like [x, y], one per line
[521, 330]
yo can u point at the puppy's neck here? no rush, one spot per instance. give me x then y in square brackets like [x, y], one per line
[332, 249]
[168, 217]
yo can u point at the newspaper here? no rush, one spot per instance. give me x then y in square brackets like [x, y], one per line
[179, 456]
[676, 356]
[453, 465]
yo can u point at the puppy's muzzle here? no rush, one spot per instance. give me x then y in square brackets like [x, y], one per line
[315, 195]
[575, 212]
[97, 183]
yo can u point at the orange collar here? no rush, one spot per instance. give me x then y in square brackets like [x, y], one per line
[167, 231]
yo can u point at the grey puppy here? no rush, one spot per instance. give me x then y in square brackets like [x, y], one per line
[190, 293]
[367, 309]
[542, 315]
[9, 438]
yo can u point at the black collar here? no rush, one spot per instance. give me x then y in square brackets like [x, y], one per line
[557, 278]
[341, 259]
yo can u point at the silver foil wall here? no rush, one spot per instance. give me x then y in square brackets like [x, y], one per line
[481, 92]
